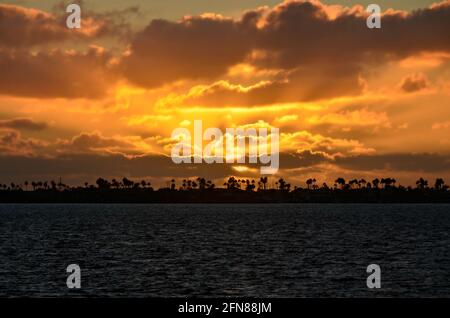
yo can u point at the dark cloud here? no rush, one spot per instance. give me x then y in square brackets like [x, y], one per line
[22, 27]
[22, 123]
[195, 48]
[302, 159]
[12, 143]
[95, 140]
[295, 34]
[425, 162]
[86, 167]
[97, 143]
[55, 74]
[414, 83]
[78, 168]
[298, 33]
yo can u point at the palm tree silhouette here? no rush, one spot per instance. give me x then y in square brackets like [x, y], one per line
[362, 183]
[353, 183]
[422, 183]
[264, 181]
[340, 182]
[310, 183]
[376, 183]
[439, 184]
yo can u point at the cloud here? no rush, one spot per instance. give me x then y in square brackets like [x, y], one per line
[31, 27]
[78, 168]
[441, 125]
[66, 74]
[13, 143]
[289, 36]
[34, 27]
[305, 84]
[81, 167]
[300, 141]
[414, 83]
[360, 118]
[95, 142]
[303, 159]
[22, 123]
[194, 48]
[420, 162]
[301, 32]
[312, 51]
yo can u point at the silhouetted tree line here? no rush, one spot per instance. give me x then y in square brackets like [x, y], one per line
[262, 190]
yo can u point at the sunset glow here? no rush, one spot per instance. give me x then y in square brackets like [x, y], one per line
[354, 102]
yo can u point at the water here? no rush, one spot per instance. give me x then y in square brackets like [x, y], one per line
[225, 250]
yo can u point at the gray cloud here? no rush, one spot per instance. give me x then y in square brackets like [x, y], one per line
[421, 162]
[34, 27]
[77, 168]
[22, 123]
[414, 83]
[55, 74]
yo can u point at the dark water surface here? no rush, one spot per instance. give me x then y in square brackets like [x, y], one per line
[225, 250]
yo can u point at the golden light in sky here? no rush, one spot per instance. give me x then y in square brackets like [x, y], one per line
[103, 100]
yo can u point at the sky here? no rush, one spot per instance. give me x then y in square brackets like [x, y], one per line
[103, 100]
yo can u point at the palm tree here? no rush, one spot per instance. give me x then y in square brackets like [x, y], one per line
[362, 183]
[250, 186]
[353, 183]
[201, 183]
[439, 184]
[376, 183]
[127, 183]
[115, 184]
[422, 183]
[102, 183]
[232, 183]
[310, 183]
[264, 181]
[340, 182]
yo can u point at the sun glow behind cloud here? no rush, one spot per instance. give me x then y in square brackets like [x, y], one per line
[125, 95]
